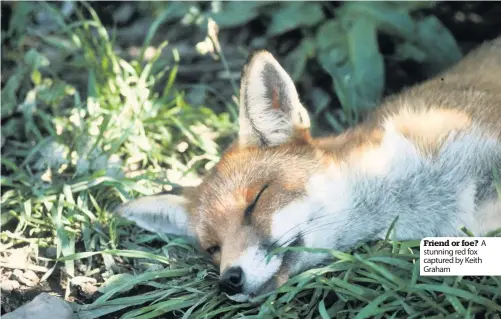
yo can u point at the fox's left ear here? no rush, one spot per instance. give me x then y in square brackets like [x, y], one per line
[159, 213]
[270, 110]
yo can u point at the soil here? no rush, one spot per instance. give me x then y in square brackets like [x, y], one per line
[471, 23]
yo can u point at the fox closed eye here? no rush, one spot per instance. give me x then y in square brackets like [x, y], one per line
[250, 208]
[213, 250]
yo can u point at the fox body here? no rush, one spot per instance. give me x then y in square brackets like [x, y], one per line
[427, 156]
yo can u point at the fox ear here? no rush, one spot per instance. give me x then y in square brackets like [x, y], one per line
[270, 110]
[159, 213]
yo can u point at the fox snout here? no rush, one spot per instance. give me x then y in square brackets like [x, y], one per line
[232, 280]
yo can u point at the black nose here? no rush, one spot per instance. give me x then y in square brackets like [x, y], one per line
[232, 280]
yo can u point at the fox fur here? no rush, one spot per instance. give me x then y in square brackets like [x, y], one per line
[427, 156]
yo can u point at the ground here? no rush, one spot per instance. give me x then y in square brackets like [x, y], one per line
[94, 113]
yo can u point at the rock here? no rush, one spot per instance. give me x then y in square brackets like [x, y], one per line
[87, 290]
[31, 276]
[9, 285]
[28, 278]
[86, 285]
[43, 306]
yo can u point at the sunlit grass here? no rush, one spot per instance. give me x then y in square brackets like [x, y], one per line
[70, 155]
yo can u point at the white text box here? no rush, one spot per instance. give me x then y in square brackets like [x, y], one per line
[460, 256]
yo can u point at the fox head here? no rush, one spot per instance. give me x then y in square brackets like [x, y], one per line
[252, 200]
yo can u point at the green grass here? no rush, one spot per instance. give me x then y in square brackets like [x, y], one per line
[85, 129]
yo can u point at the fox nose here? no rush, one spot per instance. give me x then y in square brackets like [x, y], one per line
[232, 280]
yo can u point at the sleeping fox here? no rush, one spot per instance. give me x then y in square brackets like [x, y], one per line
[428, 156]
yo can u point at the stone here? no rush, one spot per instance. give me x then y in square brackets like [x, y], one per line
[28, 278]
[9, 285]
[31, 276]
[86, 285]
[43, 306]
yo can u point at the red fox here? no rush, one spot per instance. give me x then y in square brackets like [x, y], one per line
[428, 156]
